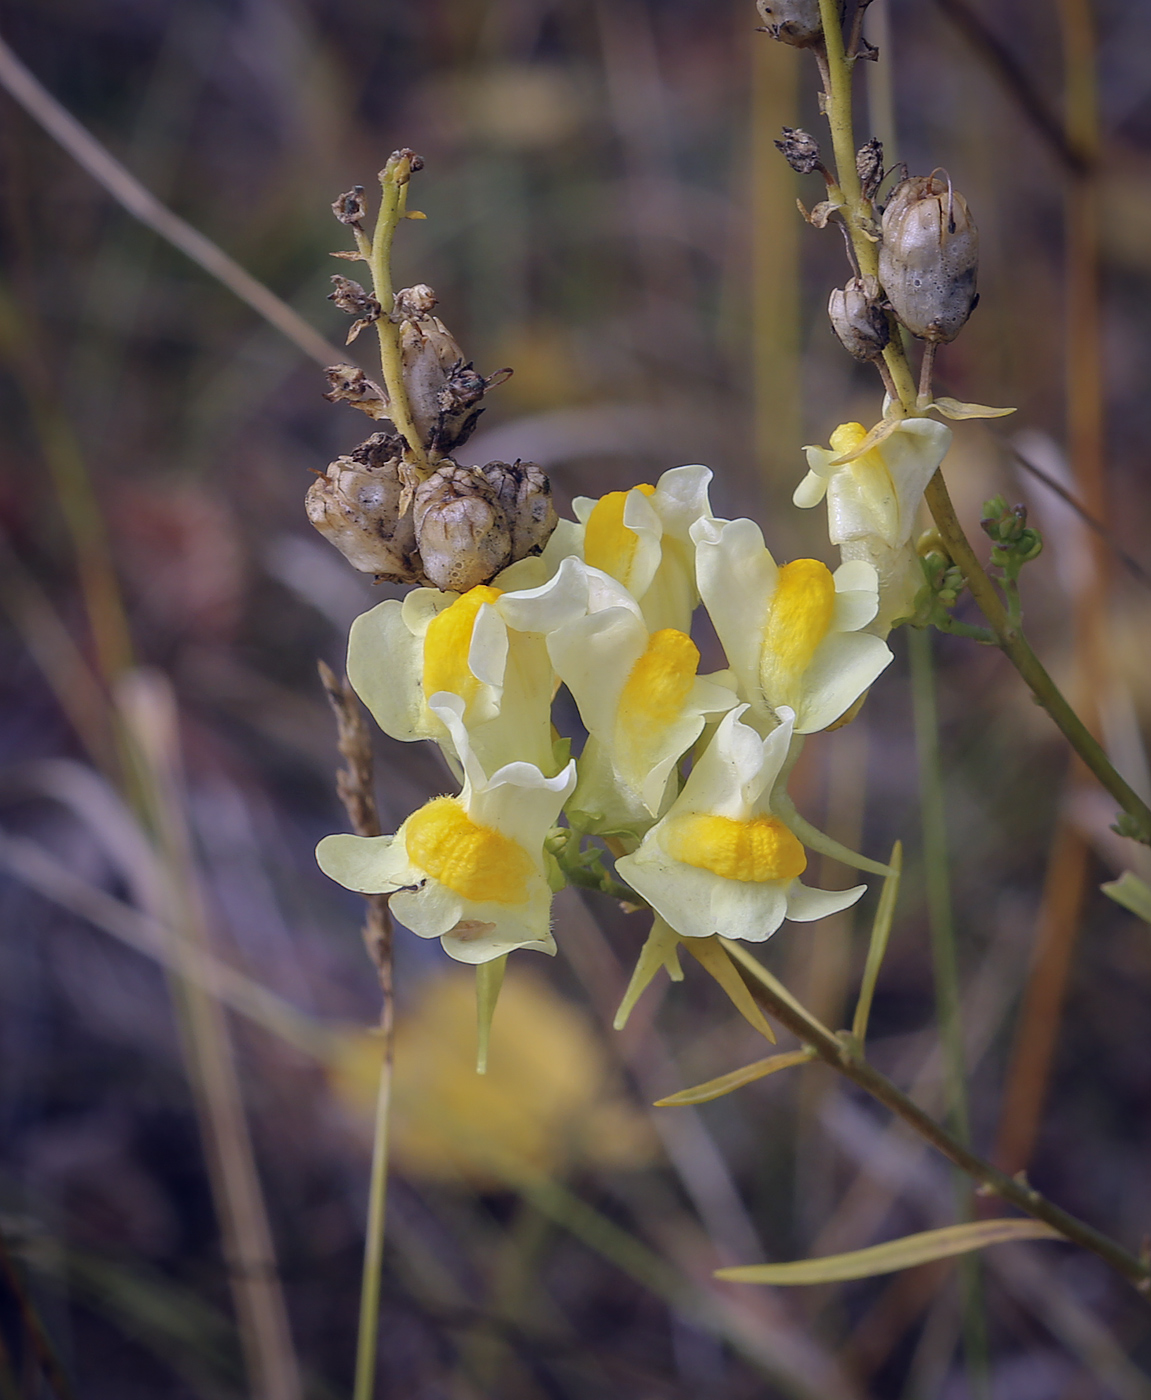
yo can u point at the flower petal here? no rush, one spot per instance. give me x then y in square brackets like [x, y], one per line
[368, 864]
[841, 670]
[805, 905]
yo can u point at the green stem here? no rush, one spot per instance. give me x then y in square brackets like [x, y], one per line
[945, 967]
[1018, 651]
[378, 936]
[1007, 633]
[394, 179]
[848, 1061]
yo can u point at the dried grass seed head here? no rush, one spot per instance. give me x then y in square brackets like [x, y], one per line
[929, 257]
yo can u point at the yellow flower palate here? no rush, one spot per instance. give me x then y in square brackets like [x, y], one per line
[472, 861]
[800, 616]
[447, 643]
[656, 688]
[756, 851]
[870, 470]
[608, 543]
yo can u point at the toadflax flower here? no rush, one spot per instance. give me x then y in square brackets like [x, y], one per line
[643, 704]
[642, 538]
[468, 870]
[873, 500]
[791, 632]
[719, 862]
[486, 646]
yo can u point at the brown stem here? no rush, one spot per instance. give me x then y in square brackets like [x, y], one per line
[841, 1057]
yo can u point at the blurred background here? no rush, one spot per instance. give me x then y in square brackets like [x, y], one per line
[606, 214]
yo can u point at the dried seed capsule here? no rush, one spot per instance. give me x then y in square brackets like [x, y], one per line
[800, 150]
[414, 303]
[349, 296]
[869, 166]
[794, 22]
[349, 384]
[444, 390]
[471, 522]
[349, 208]
[858, 321]
[356, 507]
[928, 257]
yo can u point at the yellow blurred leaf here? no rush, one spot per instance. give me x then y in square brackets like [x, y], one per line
[735, 1079]
[896, 1254]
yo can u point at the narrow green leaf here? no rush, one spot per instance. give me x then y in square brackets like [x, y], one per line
[736, 1079]
[953, 408]
[658, 951]
[710, 954]
[489, 980]
[880, 933]
[1132, 893]
[895, 1255]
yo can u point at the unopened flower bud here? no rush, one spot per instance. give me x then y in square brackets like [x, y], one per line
[794, 22]
[471, 522]
[401, 166]
[800, 150]
[858, 321]
[356, 507]
[928, 257]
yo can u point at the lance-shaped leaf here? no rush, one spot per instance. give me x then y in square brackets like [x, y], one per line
[658, 951]
[896, 1254]
[489, 980]
[710, 954]
[880, 933]
[953, 408]
[736, 1079]
[1132, 893]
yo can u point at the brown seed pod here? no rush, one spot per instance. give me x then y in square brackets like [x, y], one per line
[356, 507]
[858, 322]
[928, 257]
[444, 390]
[471, 522]
[794, 22]
[800, 150]
[349, 384]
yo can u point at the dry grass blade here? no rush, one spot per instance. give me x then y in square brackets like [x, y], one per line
[149, 714]
[123, 186]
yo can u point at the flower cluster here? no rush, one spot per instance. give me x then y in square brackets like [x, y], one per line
[681, 776]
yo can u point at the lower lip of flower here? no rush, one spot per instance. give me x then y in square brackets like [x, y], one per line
[473, 861]
[753, 851]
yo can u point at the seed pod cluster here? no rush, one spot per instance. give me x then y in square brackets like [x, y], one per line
[858, 321]
[928, 257]
[405, 510]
